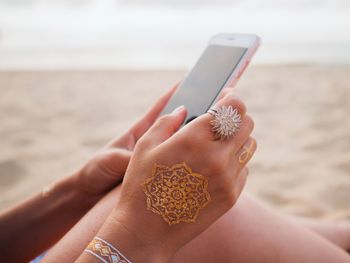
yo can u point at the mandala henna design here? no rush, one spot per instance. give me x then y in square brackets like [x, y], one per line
[176, 193]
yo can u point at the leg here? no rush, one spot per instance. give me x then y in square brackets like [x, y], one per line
[251, 232]
[336, 232]
[247, 233]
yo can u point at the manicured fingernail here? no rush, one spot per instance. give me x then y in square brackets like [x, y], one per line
[178, 109]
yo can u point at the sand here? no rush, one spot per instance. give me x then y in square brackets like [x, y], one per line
[51, 122]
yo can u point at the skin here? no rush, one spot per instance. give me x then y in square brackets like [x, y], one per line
[49, 215]
[249, 232]
[138, 231]
[175, 191]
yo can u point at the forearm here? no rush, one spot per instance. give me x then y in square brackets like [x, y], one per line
[247, 233]
[36, 224]
[127, 242]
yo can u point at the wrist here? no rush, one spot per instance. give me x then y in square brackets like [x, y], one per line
[132, 243]
[68, 193]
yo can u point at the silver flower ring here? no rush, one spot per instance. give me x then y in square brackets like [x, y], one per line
[226, 121]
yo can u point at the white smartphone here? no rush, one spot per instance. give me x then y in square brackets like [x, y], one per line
[220, 66]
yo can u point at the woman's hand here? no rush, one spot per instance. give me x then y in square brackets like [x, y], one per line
[50, 214]
[150, 231]
[107, 167]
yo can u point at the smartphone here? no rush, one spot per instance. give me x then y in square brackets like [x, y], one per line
[220, 65]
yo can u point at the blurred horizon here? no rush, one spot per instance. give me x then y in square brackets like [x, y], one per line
[137, 34]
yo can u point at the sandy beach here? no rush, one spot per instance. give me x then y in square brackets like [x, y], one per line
[52, 121]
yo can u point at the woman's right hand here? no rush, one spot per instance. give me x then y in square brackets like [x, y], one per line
[178, 210]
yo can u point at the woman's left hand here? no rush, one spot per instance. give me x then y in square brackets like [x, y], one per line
[107, 167]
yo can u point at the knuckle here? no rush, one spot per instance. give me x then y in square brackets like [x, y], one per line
[143, 143]
[190, 142]
[189, 145]
[245, 171]
[163, 120]
[216, 165]
[255, 144]
[231, 198]
[224, 93]
[250, 122]
[233, 100]
[243, 179]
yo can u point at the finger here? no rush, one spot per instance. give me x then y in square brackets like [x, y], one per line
[164, 128]
[245, 130]
[114, 162]
[241, 181]
[201, 125]
[245, 153]
[146, 121]
[223, 93]
[142, 125]
[105, 170]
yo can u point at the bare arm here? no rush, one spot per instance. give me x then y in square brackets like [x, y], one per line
[249, 232]
[33, 226]
[36, 224]
[177, 184]
[246, 233]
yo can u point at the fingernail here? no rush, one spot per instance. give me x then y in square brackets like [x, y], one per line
[178, 109]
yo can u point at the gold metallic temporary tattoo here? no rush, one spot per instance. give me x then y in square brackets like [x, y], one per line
[105, 251]
[176, 193]
[246, 153]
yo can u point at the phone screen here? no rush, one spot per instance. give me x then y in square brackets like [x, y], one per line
[204, 82]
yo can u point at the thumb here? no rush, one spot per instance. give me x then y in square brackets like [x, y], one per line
[114, 162]
[104, 171]
[164, 127]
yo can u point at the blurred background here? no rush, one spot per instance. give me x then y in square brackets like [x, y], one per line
[75, 73]
[166, 34]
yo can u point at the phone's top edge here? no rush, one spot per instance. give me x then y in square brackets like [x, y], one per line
[227, 39]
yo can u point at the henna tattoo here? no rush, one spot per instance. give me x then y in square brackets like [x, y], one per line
[176, 193]
[105, 251]
[246, 153]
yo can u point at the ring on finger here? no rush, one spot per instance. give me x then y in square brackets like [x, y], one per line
[226, 121]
